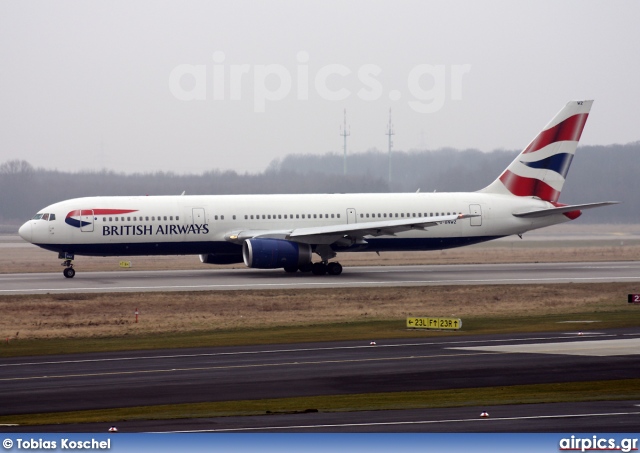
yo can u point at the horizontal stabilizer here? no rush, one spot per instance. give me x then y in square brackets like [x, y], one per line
[563, 209]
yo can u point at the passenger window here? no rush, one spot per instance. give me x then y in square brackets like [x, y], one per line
[104, 219]
[177, 218]
[234, 217]
[303, 216]
[221, 217]
[338, 215]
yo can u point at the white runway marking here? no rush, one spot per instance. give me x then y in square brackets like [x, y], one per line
[230, 367]
[417, 422]
[332, 283]
[293, 350]
[597, 348]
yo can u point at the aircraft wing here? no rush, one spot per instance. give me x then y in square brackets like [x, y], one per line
[352, 231]
[563, 209]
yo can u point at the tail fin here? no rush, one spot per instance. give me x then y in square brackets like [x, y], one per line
[540, 170]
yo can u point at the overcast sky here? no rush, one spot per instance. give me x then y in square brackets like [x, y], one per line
[189, 86]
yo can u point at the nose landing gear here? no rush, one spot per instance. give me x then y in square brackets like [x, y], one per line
[68, 271]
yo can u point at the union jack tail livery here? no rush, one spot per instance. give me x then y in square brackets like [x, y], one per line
[540, 170]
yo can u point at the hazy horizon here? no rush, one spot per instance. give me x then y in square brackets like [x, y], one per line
[186, 87]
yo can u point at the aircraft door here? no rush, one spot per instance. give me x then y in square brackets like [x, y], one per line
[351, 215]
[198, 217]
[86, 220]
[475, 209]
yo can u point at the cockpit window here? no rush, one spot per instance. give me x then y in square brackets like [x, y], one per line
[45, 217]
[37, 217]
[52, 217]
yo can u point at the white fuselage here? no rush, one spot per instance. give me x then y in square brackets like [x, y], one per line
[154, 225]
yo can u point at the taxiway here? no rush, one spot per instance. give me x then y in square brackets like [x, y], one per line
[374, 276]
[111, 380]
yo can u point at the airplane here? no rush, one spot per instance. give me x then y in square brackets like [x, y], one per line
[285, 231]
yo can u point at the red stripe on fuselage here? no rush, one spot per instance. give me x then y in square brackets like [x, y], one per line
[78, 212]
[568, 130]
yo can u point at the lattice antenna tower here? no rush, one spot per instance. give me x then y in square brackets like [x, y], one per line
[344, 132]
[390, 133]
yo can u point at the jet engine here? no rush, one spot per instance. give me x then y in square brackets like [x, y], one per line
[275, 253]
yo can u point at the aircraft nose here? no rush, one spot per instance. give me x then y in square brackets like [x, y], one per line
[25, 231]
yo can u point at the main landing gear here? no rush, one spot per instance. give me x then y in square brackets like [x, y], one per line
[68, 271]
[322, 267]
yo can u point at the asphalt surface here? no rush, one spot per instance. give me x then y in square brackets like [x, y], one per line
[375, 276]
[108, 380]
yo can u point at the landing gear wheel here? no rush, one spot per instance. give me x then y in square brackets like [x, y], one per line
[69, 272]
[319, 269]
[306, 267]
[334, 268]
[291, 269]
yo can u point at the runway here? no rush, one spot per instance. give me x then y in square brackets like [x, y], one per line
[109, 380]
[374, 276]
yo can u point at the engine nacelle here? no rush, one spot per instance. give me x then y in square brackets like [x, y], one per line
[221, 258]
[275, 253]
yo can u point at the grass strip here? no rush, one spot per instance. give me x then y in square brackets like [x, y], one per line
[624, 389]
[345, 331]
